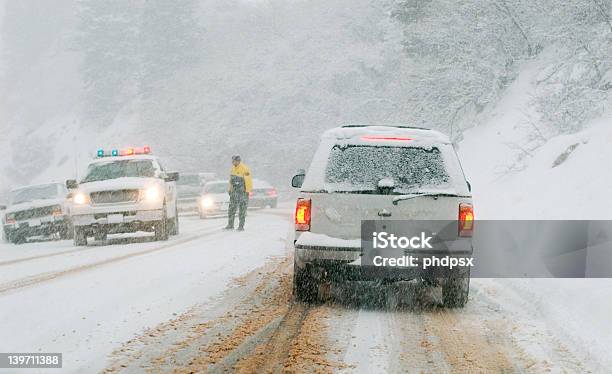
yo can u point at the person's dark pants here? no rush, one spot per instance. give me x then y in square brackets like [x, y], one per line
[239, 202]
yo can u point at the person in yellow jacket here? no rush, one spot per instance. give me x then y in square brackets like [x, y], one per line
[240, 185]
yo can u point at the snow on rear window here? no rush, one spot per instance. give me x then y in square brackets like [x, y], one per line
[362, 168]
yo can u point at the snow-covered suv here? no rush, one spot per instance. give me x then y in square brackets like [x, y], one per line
[127, 192]
[37, 210]
[376, 173]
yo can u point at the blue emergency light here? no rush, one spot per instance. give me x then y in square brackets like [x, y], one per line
[124, 152]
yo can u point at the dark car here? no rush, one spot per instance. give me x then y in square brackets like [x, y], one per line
[263, 195]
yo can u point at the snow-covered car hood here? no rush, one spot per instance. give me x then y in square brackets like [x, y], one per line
[34, 204]
[119, 184]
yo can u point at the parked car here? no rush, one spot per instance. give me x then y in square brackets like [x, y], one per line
[378, 173]
[38, 210]
[188, 188]
[263, 195]
[214, 200]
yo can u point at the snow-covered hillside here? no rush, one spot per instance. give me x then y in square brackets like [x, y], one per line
[563, 177]
[269, 76]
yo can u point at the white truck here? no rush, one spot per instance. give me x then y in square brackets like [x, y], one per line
[37, 210]
[377, 173]
[124, 191]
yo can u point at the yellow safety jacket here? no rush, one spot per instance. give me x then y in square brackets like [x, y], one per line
[243, 171]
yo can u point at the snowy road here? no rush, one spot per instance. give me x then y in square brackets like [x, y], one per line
[210, 300]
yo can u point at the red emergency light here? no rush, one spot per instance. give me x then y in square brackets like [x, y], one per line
[130, 151]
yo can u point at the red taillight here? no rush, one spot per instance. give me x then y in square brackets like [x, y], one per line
[250, 193]
[386, 138]
[271, 192]
[11, 221]
[466, 219]
[302, 215]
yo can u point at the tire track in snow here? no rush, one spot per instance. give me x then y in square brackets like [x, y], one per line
[40, 278]
[53, 254]
[260, 329]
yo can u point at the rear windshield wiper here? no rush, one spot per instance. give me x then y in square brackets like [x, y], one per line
[419, 194]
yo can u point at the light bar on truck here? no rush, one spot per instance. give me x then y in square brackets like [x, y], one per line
[130, 151]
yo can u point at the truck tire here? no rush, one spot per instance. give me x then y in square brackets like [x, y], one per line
[305, 286]
[18, 239]
[456, 289]
[80, 236]
[66, 232]
[161, 228]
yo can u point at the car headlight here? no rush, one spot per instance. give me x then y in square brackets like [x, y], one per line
[80, 198]
[207, 202]
[152, 193]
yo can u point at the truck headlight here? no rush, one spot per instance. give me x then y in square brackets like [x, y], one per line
[151, 193]
[80, 198]
[207, 202]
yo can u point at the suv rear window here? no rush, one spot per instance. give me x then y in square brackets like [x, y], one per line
[360, 168]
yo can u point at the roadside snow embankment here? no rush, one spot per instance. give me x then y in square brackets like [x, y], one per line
[565, 177]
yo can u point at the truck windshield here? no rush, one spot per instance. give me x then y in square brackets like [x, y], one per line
[361, 168]
[24, 195]
[120, 169]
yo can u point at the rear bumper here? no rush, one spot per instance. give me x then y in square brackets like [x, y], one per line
[345, 263]
[47, 226]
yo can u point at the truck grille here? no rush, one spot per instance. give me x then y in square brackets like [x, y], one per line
[117, 196]
[45, 211]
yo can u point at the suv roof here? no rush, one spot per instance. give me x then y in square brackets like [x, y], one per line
[419, 135]
[387, 125]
